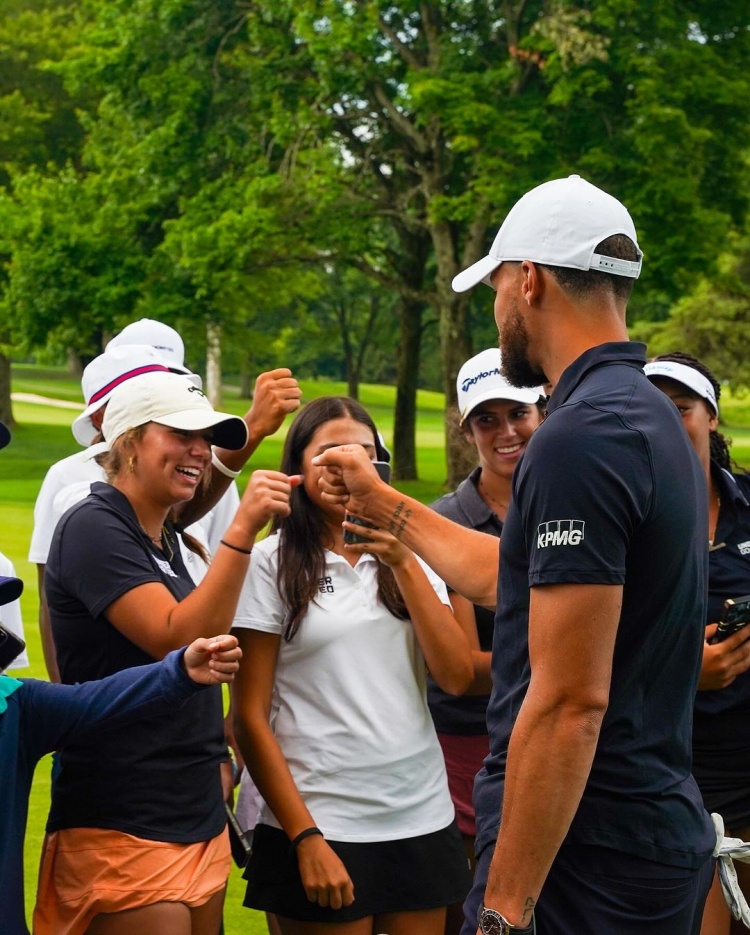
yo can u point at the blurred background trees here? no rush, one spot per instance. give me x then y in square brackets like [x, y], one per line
[301, 180]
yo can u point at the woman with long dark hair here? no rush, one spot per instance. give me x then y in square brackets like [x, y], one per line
[358, 832]
[721, 719]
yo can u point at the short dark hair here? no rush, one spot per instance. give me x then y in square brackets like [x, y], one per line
[579, 282]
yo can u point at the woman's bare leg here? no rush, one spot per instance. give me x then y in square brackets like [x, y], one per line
[165, 918]
[422, 922]
[293, 927]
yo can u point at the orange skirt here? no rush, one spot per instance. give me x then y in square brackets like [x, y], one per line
[88, 871]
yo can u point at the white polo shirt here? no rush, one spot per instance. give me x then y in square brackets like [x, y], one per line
[349, 708]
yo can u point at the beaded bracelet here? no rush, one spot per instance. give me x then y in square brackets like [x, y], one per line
[221, 467]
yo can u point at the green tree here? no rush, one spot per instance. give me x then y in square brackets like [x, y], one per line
[712, 322]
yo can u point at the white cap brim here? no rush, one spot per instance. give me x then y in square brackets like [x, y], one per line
[512, 394]
[477, 272]
[687, 376]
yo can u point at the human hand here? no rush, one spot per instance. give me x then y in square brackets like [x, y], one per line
[212, 661]
[348, 477]
[723, 662]
[380, 543]
[276, 394]
[267, 495]
[324, 876]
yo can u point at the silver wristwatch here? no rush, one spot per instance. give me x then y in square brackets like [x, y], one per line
[492, 923]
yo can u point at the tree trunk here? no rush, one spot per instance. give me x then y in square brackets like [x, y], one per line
[213, 364]
[246, 380]
[6, 406]
[352, 383]
[410, 314]
[75, 363]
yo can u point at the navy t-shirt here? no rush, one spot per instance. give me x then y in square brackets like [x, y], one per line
[158, 778]
[466, 714]
[610, 491]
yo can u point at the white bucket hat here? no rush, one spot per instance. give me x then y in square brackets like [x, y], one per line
[558, 223]
[480, 379]
[104, 374]
[169, 399]
[685, 374]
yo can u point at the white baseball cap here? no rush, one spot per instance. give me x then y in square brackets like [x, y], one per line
[105, 373]
[480, 379]
[169, 399]
[558, 223]
[163, 337]
[687, 376]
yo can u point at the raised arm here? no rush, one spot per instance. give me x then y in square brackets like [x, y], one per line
[149, 615]
[465, 559]
[443, 642]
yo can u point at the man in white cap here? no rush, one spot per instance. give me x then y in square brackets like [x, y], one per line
[67, 481]
[588, 818]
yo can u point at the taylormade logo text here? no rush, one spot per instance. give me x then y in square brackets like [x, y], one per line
[560, 532]
[470, 381]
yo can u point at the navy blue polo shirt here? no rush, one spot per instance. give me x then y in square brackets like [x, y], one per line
[610, 491]
[159, 778]
[466, 714]
[728, 576]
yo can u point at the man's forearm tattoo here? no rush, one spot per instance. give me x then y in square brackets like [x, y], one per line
[398, 521]
[528, 912]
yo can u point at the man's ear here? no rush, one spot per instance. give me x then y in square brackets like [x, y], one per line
[532, 282]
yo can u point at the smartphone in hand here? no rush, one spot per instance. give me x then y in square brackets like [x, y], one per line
[11, 646]
[384, 472]
[734, 616]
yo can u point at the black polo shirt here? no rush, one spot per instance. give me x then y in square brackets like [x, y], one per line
[158, 778]
[610, 491]
[728, 576]
[467, 714]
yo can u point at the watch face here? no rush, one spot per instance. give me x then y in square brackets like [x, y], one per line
[492, 923]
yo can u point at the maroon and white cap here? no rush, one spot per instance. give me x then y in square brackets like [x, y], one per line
[105, 373]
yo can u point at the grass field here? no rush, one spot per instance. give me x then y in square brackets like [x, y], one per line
[42, 436]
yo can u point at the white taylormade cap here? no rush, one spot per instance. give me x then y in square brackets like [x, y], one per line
[558, 223]
[105, 373]
[683, 373]
[480, 379]
[169, 399]
[163, 337]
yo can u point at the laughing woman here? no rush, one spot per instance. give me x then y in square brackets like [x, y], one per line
[136, 838]
[358, 833]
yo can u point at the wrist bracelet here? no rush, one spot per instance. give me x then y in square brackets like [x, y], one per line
[221, 467]
[235, 548]
[307, 833]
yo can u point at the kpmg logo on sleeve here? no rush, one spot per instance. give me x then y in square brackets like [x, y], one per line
[560, 532]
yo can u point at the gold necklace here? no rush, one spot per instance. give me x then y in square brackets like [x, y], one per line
[161, 541]
[488, 496]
